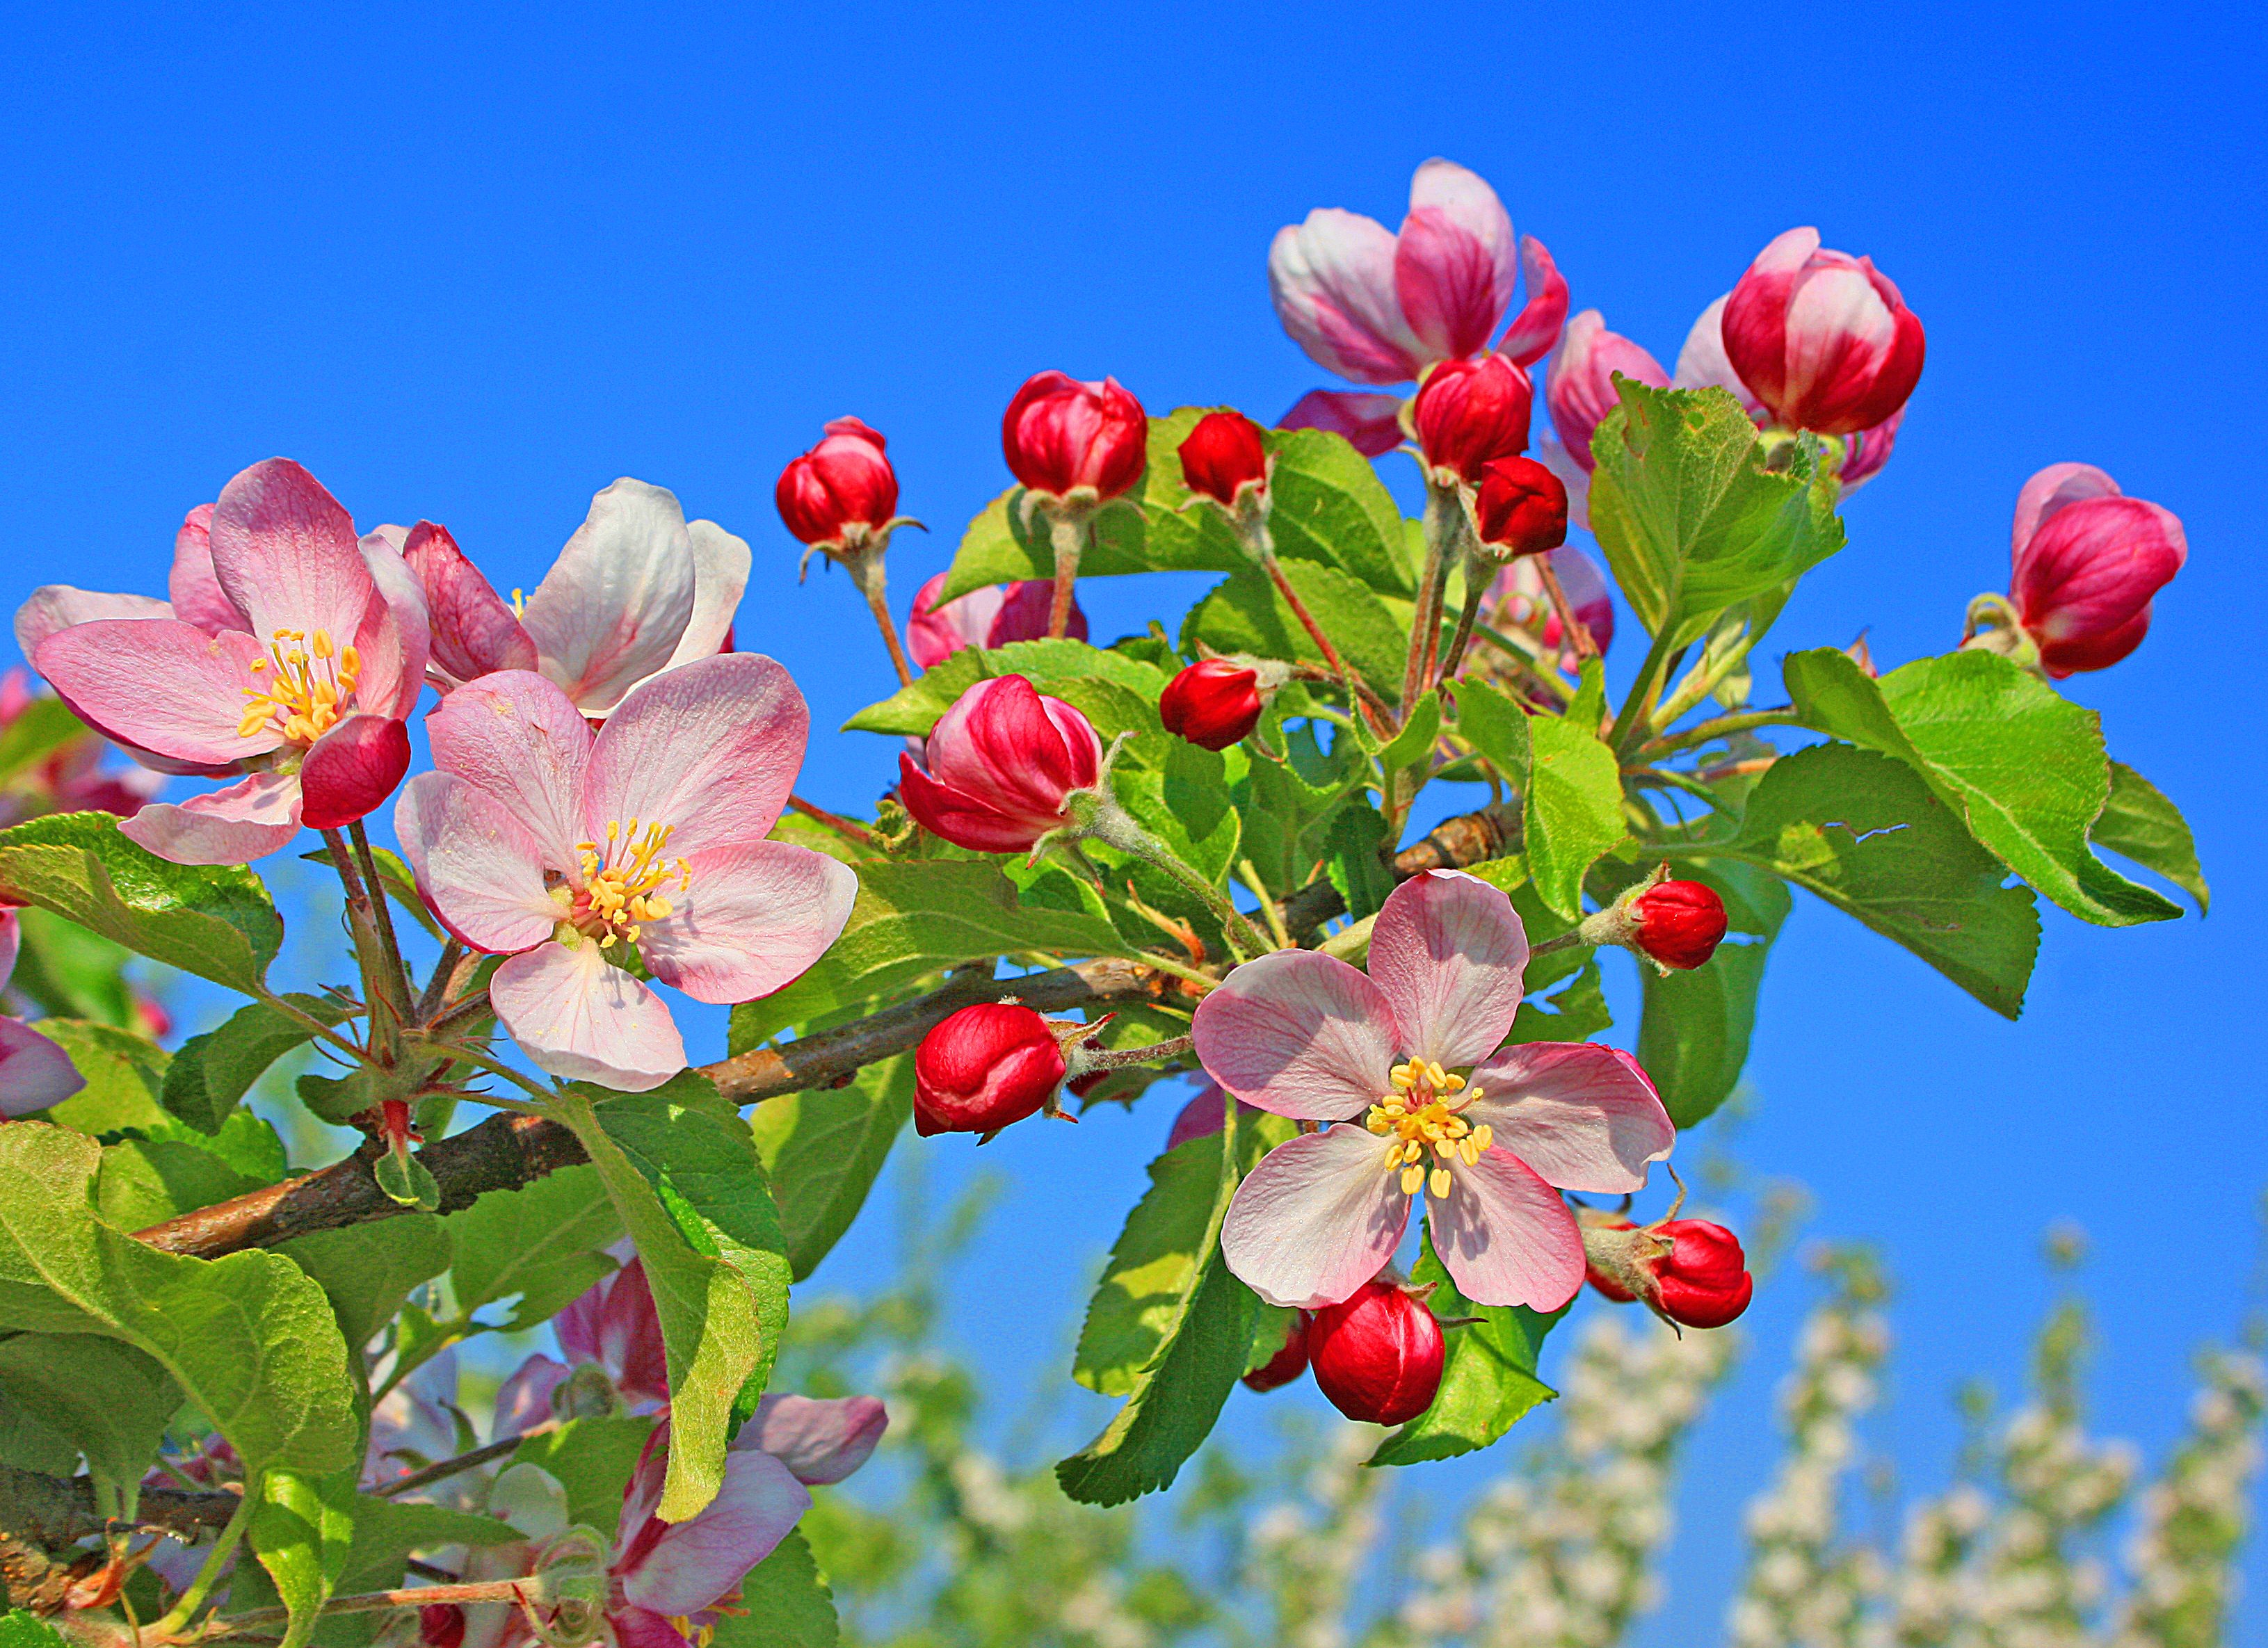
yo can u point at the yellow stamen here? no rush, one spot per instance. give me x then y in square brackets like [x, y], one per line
[1412, 1178]
[1418, 1118]
[301, 688]
[1438, 1186]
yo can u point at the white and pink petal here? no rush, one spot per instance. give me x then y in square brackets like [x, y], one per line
[1299, 1034]
[1505, 1237]
[1448, 953]
[820, 1440]
[1315, 1219]
[160, 685]
[34, 1072]
[515, 737]
[478, 865]
[249, 819]
[616, 603]
[696, 1562]
[582, 1019]
[753, 916]
[1584, 1117]
[286, 553]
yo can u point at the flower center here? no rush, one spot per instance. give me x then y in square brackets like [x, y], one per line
[302, 683]
[1420, 1117]
[624, 879]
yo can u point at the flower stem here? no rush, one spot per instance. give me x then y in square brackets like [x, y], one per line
[1579, 634]
[865, 570]
[528, 1588]
[1474, 597]
[1067, 531]
[1722, 726]
[1157, 1052]
[380, 908]
[193, 1598]
[1113, 827]
[1427, 619]
[841, 825]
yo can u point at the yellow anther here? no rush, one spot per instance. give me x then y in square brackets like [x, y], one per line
[257, 664]
[1413, 1180]
[1438, 1186]
[321, 646]
[1483, 1137]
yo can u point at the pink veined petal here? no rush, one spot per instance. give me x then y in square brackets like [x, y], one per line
[1453, 261]
[524, 1400]
[755, 917]
[581, 1018]
[350, 770]
[935, 633]
[710, 748]
[516, 738]
[1371, 422]
[34, 1072]
[820, 1441]
[2054, 488]
[1584, 1117]
[1536, 325]
[971, 821]
[1316, 1219]
[614, 605]
[720, 573]
[1332, 278]
[1838, 331]
[1299, 1034]
[160, 685]
[642, 1627]
[698, 1561]
[476, 863]
[474, 631]
[1447, 952]
[614, 1324]
[286, 553]
[395, 636]
[53, 608]
[197, 597]
[246, 820]
[1505, 1235]
[1702, 364]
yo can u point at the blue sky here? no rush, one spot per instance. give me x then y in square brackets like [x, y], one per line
[473, 266]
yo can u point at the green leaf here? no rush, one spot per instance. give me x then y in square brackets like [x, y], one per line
[2140, 823]
[712, 1290]
[249, 1338]
[593, 1459]
[1574, 1013]
[1691, 520]
[1488, 1377]
[301, 1530]
[124, 1074]
[784, 1602]
[146, 1181]
[20, 1630]
[1185, 806]
[367, 1271]
[1117, 693]
[1571, 813]
[28, 1442]
[823, 1149]
[1863, 832]
[40, 728]
[1354, 857]
[2022, 764]
[72, 973]
[1693, 1038]
[1414, 743]
[213, 921]
[1147, 1280]
[212, 1072]
[1247, 614]
[249, 1143]
[545, 1242]
[1496, 726]
[111, 1402]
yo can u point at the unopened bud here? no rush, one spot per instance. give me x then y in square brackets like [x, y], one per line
[984, 1068]
[1288, 1363]
[1688, 1271]
[1674, 924]
[1223, 457]
[841, 493]
[1377, 1354]
[1063, 437]
[1213, 703]
[1522, 509]
[1470, 412]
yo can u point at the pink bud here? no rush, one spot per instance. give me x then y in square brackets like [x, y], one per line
[1213, 703]
[1680, 923]
[1522, 508]
[1821, 337]
[1000, 763]
[1377, 1354]
[1061, 436]
[989, 617]
[1704, 1281]
[2088, 560]
[1469, 412]
[840, 485]
[1579, 386]
[984, 1068]
[1288, 1364]
[1222, 456]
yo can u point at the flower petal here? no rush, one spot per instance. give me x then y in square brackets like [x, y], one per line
[197, 597]
[2054, 488]
[475, 633]
[1454, 264]
[514, 737]
[711, 748]
[11, 942]
[1447, 952]
[1371, 422]
[160, 685]
[820, 1441]
[395, 635]
[286, 553]
[478, 865]
[754, 916]
[643, 1628]
[1702, 364]
[55, 607]
[1332, 278]
[720, 573]
[698, 1561]
[1316, 1219]
[524, 1400]
[34, 1072]
[582, 1019]
[614, 1324]
[1505, 1236]
[234, 825]
[1299, 1034]
[614, 605]
[352, 770]
[1537, 324]
[1582, 1115]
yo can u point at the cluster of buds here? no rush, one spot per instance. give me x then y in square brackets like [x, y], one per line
[1677, 925]
[1689, 1272]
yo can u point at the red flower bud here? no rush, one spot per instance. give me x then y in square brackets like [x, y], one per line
[1702, 1281]
[2089, 561]
[1522, 508]
[843, 484]
[984, 1068]
[1679, 922]
[1377, 1354]
[441, 1625]
[1061, 435]
[1000, 762]
[1821, 337]
[1288, 1364]
[1214, 702]
[1222, 456]
[1470, 411]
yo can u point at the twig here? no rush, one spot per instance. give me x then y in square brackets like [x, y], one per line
[843, 826]
[442, 1470]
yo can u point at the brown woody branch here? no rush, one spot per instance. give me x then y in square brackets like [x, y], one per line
[42, 1518]
[508, 1150]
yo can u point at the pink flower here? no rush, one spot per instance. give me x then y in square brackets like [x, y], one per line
[1821, 337]
[1000, 762]
[610, 1328]
[1380, 308]
[306, 651]
[1371, 422]
[637, 590]
[1520, 599]
[2088, 562]
[1579, 387]
[34, 1072]
[538, 841]
[1305, 1035]
[989, 617]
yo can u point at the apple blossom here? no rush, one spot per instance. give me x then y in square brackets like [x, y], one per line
[1371, 422]
[611, 1337]
[1068, 439]
[637, 590]
[999, 764]
[1822, 338]
[1688, 1271]
[538, 840]
[991, 616]
[1579, 386]
[1213, 703]
[843, 492]
[1223, 456]
[316, 653]
[1378, 1354]
[34, 1072]
[1305, 1035]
